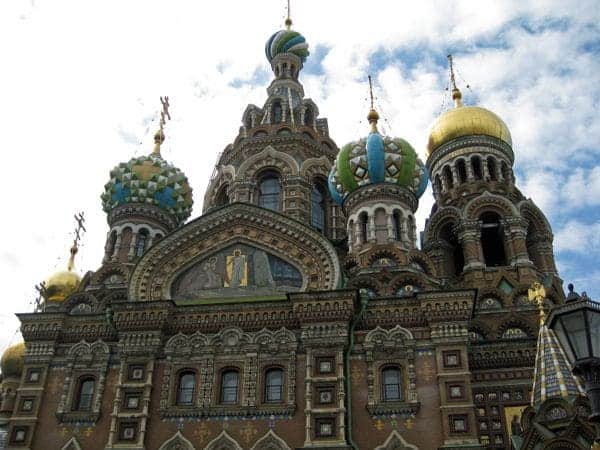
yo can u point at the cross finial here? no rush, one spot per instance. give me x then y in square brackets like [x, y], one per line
[42, 294]
[79, 228]
[288, 19]
[456, 94]
[159, 136]
[373, 116]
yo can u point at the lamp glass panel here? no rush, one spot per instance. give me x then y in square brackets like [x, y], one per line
[594, 320]
[559, 331]
[574, 324]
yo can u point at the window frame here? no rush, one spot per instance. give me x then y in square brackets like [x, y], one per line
[399, 384]
[266, 387]
[317, 187]
[222, 387]
[77, 404]
[269, 198]
[178, 388]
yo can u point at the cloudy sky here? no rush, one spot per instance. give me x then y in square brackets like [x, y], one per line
[80, 83]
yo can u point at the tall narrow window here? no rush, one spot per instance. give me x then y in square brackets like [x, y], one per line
[277, 112]
[476, 163]
[491, 162]
[462, 170]
[317, 208]
[274, 385]
[492, 240]
[505, 172]
[447, 174]
[268, 192]
[308, 117]
[186, 388]
[222, 198]
[140, 243]
[391, 384]
[363, 219]
[454, 255]
[85, 394]
[229, 387]
[112, 241]
[397, 225]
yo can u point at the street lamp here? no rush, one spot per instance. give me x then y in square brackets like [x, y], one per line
[577, 326]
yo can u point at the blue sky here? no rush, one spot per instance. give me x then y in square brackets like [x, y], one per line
[81, 82]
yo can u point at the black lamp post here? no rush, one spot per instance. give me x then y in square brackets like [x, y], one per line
[577, 327]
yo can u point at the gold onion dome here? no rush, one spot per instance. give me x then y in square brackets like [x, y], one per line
[63, 283]
[12, 360]
[466, 121]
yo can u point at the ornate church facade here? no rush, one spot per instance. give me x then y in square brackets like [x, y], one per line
[298, 311]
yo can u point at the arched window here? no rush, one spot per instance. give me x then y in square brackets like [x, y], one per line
[110, 246]
[455, 256]
[397, 225]
[85, 394]
[381, 229]
[514, 333]
[391, 384]
[308, 117]
[274, 385]
[362, 220]
[229, 387]
[505, 171]
[447, 174]
[462, 170]
[186, 388]
[438, 184]
[222, 198]
[277, 112]
[492, 240]
[268, 191]
[491, 162]
[317, 208]
[140, 243]
[476, 163]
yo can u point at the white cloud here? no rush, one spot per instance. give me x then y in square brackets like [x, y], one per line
[578, 237]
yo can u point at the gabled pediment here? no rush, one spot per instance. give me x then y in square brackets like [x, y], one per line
[241, 250]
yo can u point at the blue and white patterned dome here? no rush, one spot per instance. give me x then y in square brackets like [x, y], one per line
[376, 159]
[286, 41]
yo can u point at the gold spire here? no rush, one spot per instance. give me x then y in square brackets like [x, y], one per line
[288, 19]
[456, 94]
[159, 136]
[373, 116]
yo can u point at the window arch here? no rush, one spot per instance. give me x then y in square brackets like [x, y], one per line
[447, 175]
[491, 162]
[317, 207]
[273, 385]
[112, 241]
[456, 258]
[363, 219]
[514, 333]
[229, 386]
[397, 225]
[308, 117]
[85, 393]
[140, 243]
[186, 388]
[277, 112]
[461, 167]
[222, 198]
[476, 164]
[269, 190]
[492, 240]
[391, 384]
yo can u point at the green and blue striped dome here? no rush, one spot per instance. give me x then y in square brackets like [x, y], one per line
[286, 41]
[376, 159]
[150, 180]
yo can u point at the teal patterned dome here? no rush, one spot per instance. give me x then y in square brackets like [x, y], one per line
[376, 159]
[150, 180]
[286, 41]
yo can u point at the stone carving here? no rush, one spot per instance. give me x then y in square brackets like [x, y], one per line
[237, 270]
[223, 442]
[270, 441]
[177, 442]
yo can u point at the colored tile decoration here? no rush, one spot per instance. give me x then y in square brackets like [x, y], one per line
[286, 41]
[149, 180]
[376, 159]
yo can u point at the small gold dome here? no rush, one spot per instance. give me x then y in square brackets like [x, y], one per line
[466, 121]
[12, 360]
[61, 284]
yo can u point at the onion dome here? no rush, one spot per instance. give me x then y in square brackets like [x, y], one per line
[286, 41]
[150, 180]
[12, 360]
[376, 159]
[63, 283]
[466, 121]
